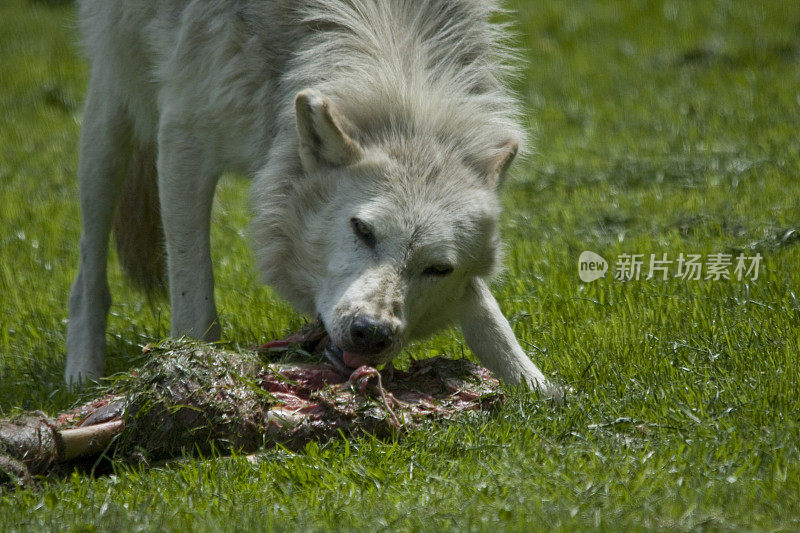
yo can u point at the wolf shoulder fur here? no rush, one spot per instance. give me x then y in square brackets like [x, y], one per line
[377, 134]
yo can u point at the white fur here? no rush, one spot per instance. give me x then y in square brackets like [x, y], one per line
[392, 112]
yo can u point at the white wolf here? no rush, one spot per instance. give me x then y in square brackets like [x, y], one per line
[377, 132]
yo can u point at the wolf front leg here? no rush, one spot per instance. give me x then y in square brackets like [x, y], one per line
[490, 337]
[104, 151]
[187, 180]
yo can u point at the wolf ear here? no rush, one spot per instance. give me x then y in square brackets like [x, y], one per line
[495, 169]
[323, 141]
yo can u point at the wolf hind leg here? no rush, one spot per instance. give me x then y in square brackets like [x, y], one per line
[105, 149]
[187, 180]
[490, 337]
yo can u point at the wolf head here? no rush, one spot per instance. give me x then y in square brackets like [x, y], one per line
[381, 236]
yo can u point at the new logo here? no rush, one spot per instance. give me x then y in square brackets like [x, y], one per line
[591, 266]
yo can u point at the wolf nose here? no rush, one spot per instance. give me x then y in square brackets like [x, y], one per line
[370, 336]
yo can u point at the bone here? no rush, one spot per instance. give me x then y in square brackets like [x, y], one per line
[90, 440]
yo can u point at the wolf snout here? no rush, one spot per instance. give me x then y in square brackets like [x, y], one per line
[370, 336]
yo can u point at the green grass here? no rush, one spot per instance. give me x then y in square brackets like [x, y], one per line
[661, 127]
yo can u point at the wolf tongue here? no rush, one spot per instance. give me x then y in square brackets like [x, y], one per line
[354, 360]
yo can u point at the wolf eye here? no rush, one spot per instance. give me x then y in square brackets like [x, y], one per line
[438, 270]
[363, 232]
